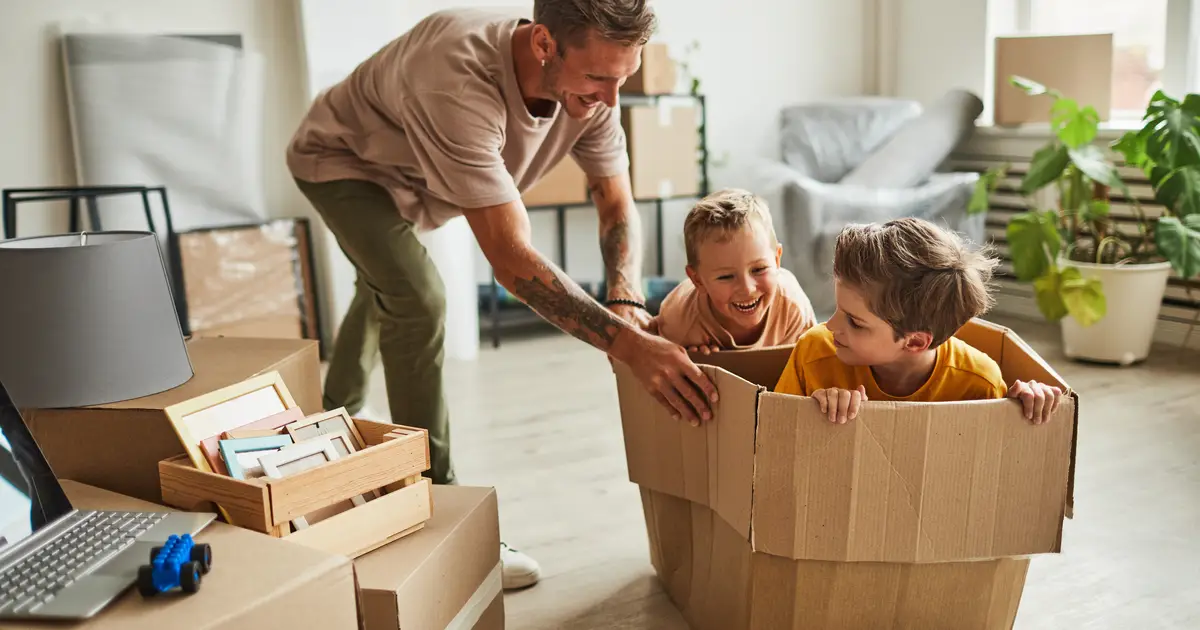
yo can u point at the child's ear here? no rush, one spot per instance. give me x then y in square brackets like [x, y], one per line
[779, 255]
[694, 277]
[918, 341]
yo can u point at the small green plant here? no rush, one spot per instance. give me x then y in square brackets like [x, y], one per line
[1081, 174]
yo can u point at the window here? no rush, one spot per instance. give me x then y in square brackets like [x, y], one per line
[1150, 42]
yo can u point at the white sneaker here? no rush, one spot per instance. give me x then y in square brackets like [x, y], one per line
[374, 415]
[519, 570]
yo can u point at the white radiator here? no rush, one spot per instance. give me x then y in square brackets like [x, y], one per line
[993, 147]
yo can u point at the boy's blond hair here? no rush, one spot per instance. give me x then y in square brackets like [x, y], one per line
[915, 276]
[722, 213]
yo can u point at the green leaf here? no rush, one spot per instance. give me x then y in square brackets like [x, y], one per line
[1047, 164]
[1032, 240]
[1132, 146]
[1179, 243]
[1075, 126]
[1047, 291]
[1173, 131]
[987, 183]
[1029, 86]
[1179, 190]
[1083, 297]
[1091, 160]
[1097, 209]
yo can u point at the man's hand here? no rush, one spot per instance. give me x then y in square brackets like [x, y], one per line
[841, 405]
[1038, 400]
[634, 315]
[665, 370]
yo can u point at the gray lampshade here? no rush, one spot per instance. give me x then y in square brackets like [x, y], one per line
[87, 319]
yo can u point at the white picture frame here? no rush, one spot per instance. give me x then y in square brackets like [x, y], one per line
[302, 456]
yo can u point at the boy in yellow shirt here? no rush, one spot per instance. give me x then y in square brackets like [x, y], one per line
[736, 295]
[903, 289]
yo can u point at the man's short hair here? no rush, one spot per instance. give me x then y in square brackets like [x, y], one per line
[721, 214]
[629, 22]
[915, 275]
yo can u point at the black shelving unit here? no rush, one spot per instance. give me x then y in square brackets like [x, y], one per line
[521, 316]
[77, 196]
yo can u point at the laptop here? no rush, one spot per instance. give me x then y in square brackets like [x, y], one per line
[57, 562]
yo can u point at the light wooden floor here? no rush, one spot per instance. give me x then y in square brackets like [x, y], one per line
[538, 420]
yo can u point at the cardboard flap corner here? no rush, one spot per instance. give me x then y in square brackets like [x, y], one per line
[711, 464]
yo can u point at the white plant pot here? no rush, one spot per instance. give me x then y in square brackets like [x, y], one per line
[1133, 294]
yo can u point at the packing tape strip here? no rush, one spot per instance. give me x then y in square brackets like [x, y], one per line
[473, 610]
[664, 112]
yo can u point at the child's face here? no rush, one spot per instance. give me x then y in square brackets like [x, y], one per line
[738, 275]
[863, 338]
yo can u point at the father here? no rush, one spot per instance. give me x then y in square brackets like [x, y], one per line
[458, 117]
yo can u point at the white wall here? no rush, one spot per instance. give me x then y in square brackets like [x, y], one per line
[755, 57]
[35, 141]
[940, 45]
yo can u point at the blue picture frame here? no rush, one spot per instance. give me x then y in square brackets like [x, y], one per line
[231, 447]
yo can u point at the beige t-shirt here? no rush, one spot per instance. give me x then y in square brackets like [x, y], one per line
[687, 319]
[436, 117]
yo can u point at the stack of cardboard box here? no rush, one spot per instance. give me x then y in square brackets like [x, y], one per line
[911, 516]
[447, 575]
[661, 134]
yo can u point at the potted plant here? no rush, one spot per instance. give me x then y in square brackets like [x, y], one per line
[1102, 279]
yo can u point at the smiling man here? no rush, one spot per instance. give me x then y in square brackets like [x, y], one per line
[459, 116]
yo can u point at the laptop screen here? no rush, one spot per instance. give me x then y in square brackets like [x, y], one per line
[30, 495]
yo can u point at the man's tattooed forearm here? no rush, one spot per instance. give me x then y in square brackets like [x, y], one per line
[618, 263]
[570, 309]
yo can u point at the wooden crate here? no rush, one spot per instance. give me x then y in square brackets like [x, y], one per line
[392, 463]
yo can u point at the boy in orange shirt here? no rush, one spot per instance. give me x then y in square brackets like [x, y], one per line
[736, 295]
[903, 289]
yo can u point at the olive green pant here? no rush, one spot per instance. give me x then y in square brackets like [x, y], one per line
[398, 314]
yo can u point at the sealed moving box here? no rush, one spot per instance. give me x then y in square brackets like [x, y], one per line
[565, 184]
[664, 158]
[118, 446]
[445, 576]
[913, 515]
[656, 74]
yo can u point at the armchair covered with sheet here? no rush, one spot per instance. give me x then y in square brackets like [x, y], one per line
[861, 160]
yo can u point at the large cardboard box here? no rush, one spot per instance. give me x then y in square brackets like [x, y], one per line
[565, 184]
[1078, 66]
[256, 582]
[118, 446]
[656, 75]
[923, 510]
[664, 159]
[444, 577]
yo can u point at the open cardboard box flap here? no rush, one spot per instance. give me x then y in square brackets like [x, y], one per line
[904, 482]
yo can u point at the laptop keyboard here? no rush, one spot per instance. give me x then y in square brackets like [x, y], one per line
[40, 576]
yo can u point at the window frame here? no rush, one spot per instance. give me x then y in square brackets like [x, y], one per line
[1183, 30]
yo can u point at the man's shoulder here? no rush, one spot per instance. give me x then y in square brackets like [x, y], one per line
[454, 50]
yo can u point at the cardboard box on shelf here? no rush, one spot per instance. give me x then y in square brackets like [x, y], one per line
[565, 184]
[445, 576]
[255, 582]
[663, 147]
[811, 521]
[657, 74]
[118, 446]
